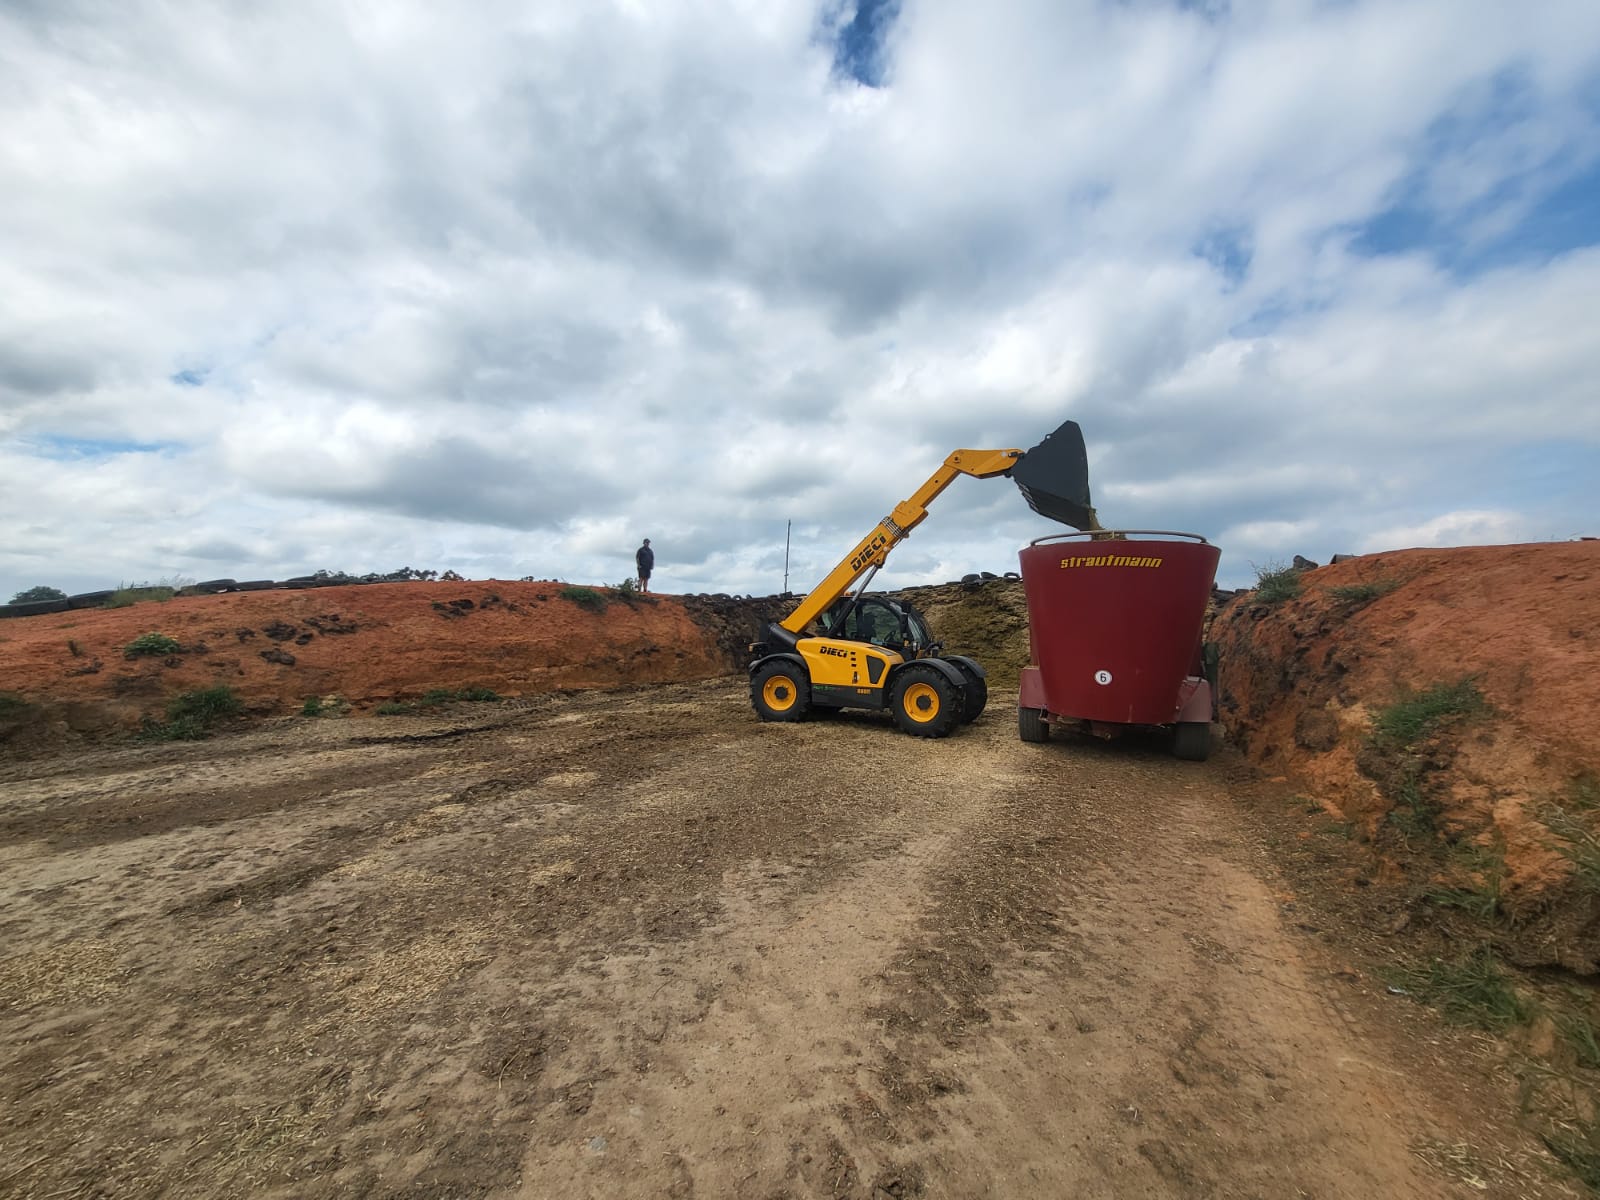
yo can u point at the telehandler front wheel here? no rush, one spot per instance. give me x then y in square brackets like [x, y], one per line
[925, 703]
[780, 691]
[975, 696]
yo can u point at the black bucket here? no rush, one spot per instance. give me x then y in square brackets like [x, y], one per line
[1054, 478]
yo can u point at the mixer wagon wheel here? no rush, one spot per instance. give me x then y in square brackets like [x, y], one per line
[1031, 725]
[1192, 741]
[925, 703]
[780, 691]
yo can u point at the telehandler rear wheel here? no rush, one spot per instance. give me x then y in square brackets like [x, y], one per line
[925, 703]
[780, 691]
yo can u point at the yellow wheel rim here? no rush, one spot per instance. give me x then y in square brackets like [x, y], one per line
[779, 694]
[921, 702]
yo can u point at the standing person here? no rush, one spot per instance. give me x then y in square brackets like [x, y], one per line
[645, 558]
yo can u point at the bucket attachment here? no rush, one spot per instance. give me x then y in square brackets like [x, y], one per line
[1054, 478]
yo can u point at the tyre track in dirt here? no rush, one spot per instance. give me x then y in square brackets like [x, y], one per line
[639, 944]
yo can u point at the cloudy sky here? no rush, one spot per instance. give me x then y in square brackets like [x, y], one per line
[503, 288]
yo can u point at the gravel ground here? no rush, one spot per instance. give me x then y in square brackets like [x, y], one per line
[637, 943]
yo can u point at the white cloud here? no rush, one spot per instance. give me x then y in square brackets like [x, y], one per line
[507, 294]
[1468, 527]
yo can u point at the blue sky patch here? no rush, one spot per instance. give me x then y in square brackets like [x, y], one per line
[858, 46]
[1228, 251]
[1536, 208]
[190, 376]
[71, 449]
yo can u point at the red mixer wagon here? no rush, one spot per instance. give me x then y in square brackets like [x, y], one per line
[1115, 621]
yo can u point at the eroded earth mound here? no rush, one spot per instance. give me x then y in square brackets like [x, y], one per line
[1444, 703]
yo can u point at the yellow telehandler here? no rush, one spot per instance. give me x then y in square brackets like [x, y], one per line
[842, 650]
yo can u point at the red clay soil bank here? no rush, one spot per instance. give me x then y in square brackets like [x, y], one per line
[1303, 680]
[365, 644]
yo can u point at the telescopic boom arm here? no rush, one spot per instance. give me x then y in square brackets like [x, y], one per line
[870, 552]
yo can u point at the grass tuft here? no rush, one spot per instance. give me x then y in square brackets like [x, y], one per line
[1470, 991]
[1357, 594]
[192, 715]
[1413, 814]
[1577, 843]
[1276, 583]
[1583, 792]
[586, 598]
[153, 644]
[137, 593]
[1579, 1033]
[1578, 1146]
[1410, 720]
[13, 706]
[434, 697]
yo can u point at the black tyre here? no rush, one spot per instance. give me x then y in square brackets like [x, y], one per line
[1192, 741]
[32, 608]
[89, 599]
[1031, 725]
[974, 694]
[925, 703]
[255, 585]
[212, 586]
[780, 691]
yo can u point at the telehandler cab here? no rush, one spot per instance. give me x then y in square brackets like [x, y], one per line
[842, 650]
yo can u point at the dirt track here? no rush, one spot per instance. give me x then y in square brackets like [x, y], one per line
[638, 944]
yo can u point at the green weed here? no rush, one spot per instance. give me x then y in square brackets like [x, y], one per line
[434, 697]
[1413, 814]
[34, 594]
[137, 593]
[13, 706]
[155, 644]
[1483, 897]
[1583, 792]
[1471, 991]
[1357, 594]
[192, 715]
[1578, 1146]
[1276, 583]
[437, 696]
[1408, 721]
[585, 598]
[1579, 1032]
[1578, 844]
[1481, 902]
[312, 707]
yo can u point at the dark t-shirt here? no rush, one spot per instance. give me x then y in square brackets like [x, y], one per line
[646, 558]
